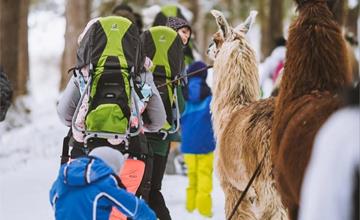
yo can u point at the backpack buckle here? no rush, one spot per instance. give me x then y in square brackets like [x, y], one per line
[165, 133]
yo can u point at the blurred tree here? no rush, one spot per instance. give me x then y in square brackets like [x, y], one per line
[77, 13]
[13, 43]
[209, 29]
[105, 7]
[23, 56]
[352, 18]
[264, 28]
[275, 23]
[339, 10]
[271, 18]
[197, 23]
[243, 8]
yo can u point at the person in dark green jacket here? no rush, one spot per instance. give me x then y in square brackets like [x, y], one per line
[156, 141]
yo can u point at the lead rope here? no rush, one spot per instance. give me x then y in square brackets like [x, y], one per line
[186, 75]
[256, 173]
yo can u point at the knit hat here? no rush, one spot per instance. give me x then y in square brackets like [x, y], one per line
[177, 23]
[197, 90]
[197, 66]
[113, 158]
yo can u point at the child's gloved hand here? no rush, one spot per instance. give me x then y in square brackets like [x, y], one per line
[146, 92]
[148, 63]
[144, 212]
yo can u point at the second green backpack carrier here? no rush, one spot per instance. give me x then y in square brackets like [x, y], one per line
[164, 47]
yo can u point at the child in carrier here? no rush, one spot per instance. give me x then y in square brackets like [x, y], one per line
[198, 141]
[88, 188]
[147, 97]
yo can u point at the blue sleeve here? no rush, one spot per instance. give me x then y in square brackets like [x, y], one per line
[53, 193]
[129, 204]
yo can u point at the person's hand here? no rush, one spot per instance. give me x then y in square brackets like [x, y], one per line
[146, 92]
[148, 63]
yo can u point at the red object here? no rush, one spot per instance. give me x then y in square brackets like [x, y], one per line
[277, 71]
[131, 176]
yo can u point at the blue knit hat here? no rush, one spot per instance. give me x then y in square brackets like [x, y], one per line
[197, 66]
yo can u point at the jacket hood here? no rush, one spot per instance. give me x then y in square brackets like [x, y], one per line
[196, 90]
[83, 171]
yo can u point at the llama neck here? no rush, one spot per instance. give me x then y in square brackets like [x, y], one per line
[316, 56]
[235, 80]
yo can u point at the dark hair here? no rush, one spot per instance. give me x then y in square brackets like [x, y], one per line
[351, 95]
[126, 11]
[280, 41]
[138, 21]
[122, 7]
[126, 14]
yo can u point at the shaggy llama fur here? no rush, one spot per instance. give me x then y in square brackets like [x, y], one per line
[242, 125]
[316, 68]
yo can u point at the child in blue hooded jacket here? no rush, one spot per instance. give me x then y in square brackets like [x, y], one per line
[88, 187]
[198, 142]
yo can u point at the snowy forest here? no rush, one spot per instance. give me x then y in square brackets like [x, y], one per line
[38, 48]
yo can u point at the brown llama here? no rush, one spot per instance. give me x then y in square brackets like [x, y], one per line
[242, 124]
[316, 68]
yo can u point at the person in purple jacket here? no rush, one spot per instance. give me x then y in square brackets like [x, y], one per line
[198, 141]
[88, 188]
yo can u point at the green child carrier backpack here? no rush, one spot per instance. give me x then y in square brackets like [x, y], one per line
[111, 50]
[164, 47]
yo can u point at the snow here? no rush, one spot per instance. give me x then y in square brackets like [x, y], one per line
[30, 145]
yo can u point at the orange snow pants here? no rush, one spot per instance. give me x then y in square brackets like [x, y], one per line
[131, 175]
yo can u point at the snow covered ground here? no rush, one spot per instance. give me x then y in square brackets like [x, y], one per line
[29, 153]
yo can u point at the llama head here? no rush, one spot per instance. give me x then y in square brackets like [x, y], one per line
[227, 33]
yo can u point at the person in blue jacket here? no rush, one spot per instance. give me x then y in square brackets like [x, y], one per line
[198, 142]
[88, 187]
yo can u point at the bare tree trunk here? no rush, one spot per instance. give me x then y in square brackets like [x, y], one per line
[352, 18]
[106, 7]
[242, 7]
[275, 23]
[77, 15]
[23, 56]
[339, 11]
[12, 23]
[197, 22]
[209, 29]
[201, 36]
[264, 29]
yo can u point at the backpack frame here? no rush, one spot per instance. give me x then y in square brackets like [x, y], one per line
[95, 52]
[163, 45]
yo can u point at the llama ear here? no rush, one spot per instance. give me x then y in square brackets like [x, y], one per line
[221, 22]
[245, 27]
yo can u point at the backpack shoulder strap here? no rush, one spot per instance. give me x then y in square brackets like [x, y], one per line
[65, 149]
